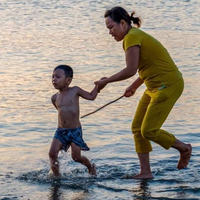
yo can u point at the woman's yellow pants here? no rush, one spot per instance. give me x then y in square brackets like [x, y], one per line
[152, 111]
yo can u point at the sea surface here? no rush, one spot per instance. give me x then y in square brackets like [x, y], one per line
[36, 36]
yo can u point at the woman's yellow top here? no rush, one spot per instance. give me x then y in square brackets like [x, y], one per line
[156, 66]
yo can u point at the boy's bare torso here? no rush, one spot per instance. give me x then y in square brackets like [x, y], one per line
[67, 104]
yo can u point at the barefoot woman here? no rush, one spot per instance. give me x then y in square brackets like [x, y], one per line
[164, 85]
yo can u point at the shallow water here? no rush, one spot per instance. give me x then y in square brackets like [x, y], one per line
[35, 37]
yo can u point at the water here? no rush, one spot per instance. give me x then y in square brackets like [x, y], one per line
[35, 37]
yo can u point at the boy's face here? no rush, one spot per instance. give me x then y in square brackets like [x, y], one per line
[59, 79]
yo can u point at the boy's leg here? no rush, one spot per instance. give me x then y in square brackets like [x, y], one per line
[56, 146]
[76, 156]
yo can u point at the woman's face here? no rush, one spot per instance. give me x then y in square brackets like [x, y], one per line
[116, 30]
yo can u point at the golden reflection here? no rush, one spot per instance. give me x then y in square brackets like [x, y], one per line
[57, 194]
[142, 191]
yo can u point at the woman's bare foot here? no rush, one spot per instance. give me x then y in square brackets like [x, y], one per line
[92, 170]
[185, 157]
[143, 176]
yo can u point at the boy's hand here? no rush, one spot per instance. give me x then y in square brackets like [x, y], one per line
[101, 83]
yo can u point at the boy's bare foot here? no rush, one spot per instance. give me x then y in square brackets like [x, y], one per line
[93, 170]
[51, 175]
[185, 157]
[143, 176]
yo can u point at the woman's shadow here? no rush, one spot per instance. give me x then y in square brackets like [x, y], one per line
[143, 190]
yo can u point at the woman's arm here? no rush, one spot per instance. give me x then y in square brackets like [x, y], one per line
[132, 61]
[133, 87]
[136, 84]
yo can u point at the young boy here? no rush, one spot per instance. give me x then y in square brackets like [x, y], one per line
[69, 132]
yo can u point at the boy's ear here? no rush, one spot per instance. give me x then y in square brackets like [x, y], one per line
[69, 80]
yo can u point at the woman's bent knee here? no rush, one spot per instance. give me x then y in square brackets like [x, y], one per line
[141, 144]
[159, 136]
[137, 135]
[150, 135]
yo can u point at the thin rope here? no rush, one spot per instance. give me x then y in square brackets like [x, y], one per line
[102, 107]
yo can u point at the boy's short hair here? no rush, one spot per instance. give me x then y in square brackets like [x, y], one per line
[67, 69]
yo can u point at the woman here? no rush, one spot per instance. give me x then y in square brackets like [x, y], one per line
[164, 84]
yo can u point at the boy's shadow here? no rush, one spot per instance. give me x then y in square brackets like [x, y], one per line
[55, 193]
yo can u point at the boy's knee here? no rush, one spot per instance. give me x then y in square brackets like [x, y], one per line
[53, 155]
[76, 158]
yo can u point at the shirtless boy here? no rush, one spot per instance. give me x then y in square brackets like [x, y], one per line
[69, 132]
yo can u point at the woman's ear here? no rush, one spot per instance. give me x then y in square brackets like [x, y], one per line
[123, 23]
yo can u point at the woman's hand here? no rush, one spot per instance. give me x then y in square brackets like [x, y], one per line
[130, 91]
[101, 83]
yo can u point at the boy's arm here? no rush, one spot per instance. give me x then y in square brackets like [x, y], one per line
[88, 95]
[53, 100]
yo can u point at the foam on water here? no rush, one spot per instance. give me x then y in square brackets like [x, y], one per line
[118, 179]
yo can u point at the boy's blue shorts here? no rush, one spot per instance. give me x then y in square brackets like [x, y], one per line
[67, 135]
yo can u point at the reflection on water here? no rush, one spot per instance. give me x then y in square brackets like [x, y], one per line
[35, 37]
[143, 190]
[55, 193]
